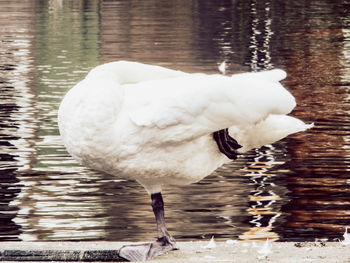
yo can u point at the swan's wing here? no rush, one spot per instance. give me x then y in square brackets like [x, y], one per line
[199, 104]
[127, 72]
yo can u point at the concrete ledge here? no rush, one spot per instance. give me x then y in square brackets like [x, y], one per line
[60, 251]
[60, 255]
[189, 252]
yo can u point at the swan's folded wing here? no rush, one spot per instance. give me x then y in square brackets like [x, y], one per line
[200, 104]
[127, 72]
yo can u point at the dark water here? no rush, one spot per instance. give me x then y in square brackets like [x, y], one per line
[296, 189]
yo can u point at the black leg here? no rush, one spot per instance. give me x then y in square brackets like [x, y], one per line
[165, 242]
[158, 210]
[227, 145]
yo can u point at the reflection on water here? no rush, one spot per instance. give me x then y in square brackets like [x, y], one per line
[296, 189]
[264, 206]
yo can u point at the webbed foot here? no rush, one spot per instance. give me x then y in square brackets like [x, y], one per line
[144, 252]
[164, 243]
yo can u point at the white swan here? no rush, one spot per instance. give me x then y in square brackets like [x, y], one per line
[164, 127]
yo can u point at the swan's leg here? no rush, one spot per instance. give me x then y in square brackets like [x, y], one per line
[158, 210]
[227, 145]
[165, 242]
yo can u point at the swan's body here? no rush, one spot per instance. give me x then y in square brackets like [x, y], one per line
[156, 125]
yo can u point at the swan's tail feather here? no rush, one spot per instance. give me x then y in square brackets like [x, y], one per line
[267, 131]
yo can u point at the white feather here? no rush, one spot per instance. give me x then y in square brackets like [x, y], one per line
[265, 250]
[222, 68]
[346, 236]
[155, 125]
[211, 244]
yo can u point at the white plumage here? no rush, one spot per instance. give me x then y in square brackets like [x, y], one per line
[155, 125]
